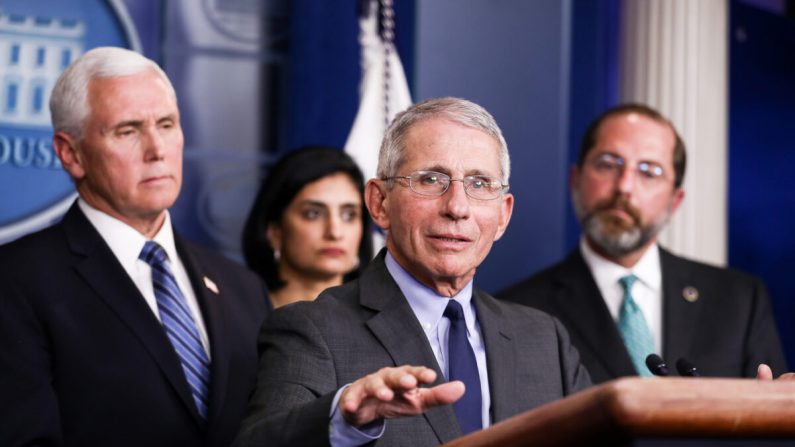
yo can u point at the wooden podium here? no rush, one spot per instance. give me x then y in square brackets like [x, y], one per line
[655, 412]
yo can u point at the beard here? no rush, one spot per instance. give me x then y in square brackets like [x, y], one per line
[616, 236]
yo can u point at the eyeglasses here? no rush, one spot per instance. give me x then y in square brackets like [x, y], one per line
[613, 165]
[430, 183]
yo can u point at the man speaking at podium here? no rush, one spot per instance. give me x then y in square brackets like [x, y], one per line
[337, 369]
[114, 331]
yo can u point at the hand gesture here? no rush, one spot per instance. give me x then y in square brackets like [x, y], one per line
[395, 392]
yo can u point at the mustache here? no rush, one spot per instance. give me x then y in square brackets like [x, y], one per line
[617, 202]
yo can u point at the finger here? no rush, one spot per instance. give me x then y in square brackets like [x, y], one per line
[378, 385]
[358, 392]
[403, 378]
[443, 394]
[786, 376]
[352, 397]
[424, 375]
[763, 372]
[382, 385]
[407, 377]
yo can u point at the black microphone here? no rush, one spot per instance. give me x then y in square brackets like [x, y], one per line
[686, 369]
[656, 365]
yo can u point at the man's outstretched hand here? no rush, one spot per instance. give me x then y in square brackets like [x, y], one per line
[395, 392]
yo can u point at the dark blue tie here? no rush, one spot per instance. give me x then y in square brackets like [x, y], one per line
[179, 325]
[462, 366]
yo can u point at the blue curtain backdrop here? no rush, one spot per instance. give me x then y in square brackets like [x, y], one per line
[324, 72]
[762, 156]
[594, 78]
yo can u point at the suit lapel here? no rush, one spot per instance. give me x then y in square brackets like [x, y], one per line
[583, 310]
[500, 357]
[679, 315]
[397, 329]
[105, 275]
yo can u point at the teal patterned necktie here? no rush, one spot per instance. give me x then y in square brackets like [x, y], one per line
[633, 328]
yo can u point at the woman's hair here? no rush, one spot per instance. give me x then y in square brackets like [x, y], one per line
[283, 182]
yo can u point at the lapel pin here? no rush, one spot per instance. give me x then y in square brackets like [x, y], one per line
[690, 294]
[210, 285]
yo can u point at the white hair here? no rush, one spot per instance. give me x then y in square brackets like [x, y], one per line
[69, 107]
[457, 110]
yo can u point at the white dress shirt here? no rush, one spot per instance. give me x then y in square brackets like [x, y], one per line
[647, 290]
[126, 244]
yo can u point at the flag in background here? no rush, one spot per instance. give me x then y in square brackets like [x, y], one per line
[383, 91]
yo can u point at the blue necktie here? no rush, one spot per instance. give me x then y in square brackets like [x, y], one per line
[633, 328]
[179, 325]
[463, 366]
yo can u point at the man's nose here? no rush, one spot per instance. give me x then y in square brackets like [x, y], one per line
[154, 145]
[456, 201]
[626, 179]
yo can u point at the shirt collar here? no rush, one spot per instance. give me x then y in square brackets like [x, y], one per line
[428, 305]
[125, 241]
[647, 269]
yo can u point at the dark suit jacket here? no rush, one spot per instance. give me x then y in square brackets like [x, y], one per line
[311, 349]
[84, 361]
[726, 332]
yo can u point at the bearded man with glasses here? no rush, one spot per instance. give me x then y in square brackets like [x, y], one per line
[339, 369]
[621, 295]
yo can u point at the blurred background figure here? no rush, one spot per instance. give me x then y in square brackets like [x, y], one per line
[306, 229]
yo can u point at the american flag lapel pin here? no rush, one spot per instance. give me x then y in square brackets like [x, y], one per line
[210, 285]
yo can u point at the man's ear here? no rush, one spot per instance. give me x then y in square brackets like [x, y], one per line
[676, 200]
[375, 198]
[67, 150]
[506, 211]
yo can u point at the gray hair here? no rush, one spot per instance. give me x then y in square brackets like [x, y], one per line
[460, 111]
[69, 105]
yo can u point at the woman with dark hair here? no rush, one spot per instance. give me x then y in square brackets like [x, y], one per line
[308, 229]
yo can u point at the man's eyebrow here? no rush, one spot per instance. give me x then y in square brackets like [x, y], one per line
[479, 173]
[169, 117]
[126, 123]
[607, 151]
[437, 168]
[470, 173]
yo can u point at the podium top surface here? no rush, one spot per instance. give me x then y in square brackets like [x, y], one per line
[670, 407]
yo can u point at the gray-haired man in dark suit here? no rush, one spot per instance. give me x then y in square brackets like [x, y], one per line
[90, 354]
[337, 369]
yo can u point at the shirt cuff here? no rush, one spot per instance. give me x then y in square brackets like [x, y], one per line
[341, 433]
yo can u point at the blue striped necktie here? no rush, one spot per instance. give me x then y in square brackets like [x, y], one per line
[462, 366]
[633, 328]
[179, 325]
